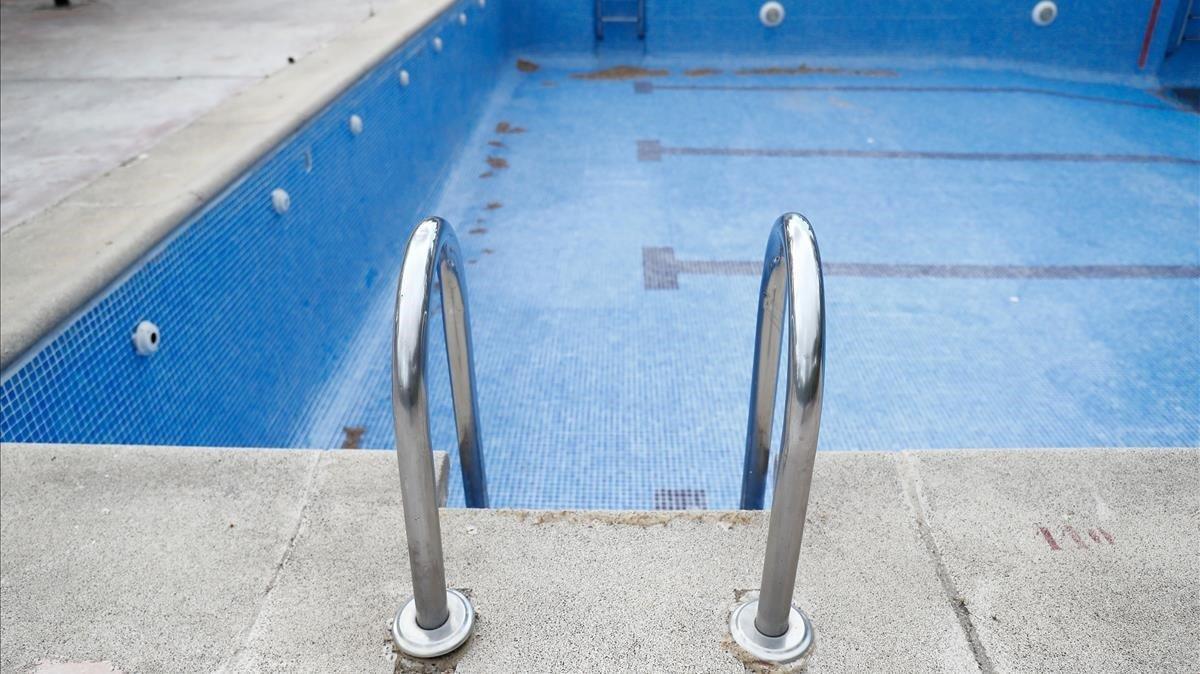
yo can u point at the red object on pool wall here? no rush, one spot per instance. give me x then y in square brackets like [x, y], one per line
[1149, 33]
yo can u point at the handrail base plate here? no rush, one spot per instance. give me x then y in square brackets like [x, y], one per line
[418, 642]
[793, 646]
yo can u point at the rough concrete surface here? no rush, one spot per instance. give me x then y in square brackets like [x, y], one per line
[75, 104]
[1121, 592]
[103, 228]
[934, 561]
[148, 558]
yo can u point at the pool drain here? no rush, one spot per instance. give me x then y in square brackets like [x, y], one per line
[145, 338]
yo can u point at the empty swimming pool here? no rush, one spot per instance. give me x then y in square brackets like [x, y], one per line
[1010, 235]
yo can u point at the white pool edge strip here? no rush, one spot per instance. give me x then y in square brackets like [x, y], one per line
[55, 263]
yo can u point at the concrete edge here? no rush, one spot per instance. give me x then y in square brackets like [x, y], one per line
[104, 228]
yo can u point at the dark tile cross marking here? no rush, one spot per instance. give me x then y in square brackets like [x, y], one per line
[646, 87]
[680, 499]
[653, 150]
[661, 270]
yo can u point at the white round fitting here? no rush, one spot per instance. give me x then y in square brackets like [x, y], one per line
[145, 338]
[404, 78]
[1045, 12]
[462, 18]
[437, 44]
[482, 4]
[280, 200]
[771, 14]
[355, 124]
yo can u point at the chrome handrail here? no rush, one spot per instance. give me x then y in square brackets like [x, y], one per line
[770, 627]
[437, 619]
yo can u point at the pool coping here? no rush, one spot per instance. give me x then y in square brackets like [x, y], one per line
[54, 264]
[226, 559]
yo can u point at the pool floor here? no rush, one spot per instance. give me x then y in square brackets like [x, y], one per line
[1010, 262]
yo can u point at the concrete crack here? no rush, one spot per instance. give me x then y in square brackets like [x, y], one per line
[248, 634]
[910, 478]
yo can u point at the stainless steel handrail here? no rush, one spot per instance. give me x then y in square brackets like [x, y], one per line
[437, 619]
[770, 627]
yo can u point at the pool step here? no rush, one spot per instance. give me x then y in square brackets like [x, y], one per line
[620, 11]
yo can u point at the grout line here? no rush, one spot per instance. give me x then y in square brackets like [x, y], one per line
[910, 479]
[251, 630]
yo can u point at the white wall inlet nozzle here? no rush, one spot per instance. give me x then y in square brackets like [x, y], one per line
[146, 338]
[482, 4]
[462, 18]
[404, 78]
[356, 124]
[1045, 12]
[280, 200]
[771, 14]
[437, 44]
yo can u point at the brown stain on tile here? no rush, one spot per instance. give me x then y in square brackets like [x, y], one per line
[803, 69]
[702, 72]
[493, 205]
[505, 127]
[497, 163]
[352, 436]
[527, 66]
[620, 73]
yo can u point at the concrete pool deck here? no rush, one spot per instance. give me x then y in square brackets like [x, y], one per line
[193, 559]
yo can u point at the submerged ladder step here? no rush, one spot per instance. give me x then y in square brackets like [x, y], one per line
[602, 17]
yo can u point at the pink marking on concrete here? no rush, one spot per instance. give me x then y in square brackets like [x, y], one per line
[1107, 536]
[1075, 536]
[1095, 536]
[1049, 538]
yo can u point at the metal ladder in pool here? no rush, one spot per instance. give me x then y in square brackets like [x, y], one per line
[439, 619]
[620, 11]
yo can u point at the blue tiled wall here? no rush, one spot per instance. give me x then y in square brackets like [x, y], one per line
[1104, 36]
[257, 306]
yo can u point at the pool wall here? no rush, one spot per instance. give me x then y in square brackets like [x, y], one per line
[262, 306]
[1104, 38]
[254, 305]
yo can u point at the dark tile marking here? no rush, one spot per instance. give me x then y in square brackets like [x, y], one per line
[527, 66]
[680, 499]
[810, 70]
[661, 270]
[488, 251]
[496, 143]
[653, 150]
[505, 127]
[649, 150]
[620, 73]
[702, 72]
[497, 163]
[487, 174]
[643, 87]
[477, 230]
[493, 205]
[352, 436]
